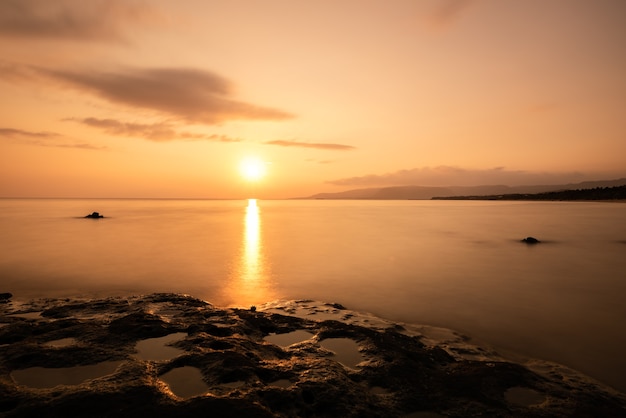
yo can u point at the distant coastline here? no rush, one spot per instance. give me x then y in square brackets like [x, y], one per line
[610, 190]
[617, 193]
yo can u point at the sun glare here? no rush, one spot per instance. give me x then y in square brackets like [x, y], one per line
[252, 168]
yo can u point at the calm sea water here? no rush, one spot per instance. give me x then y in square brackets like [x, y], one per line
[447, 263]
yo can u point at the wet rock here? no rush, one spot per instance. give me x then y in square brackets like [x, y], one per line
[94, 215]
[139, 324]
[5, 297]
[239, 367]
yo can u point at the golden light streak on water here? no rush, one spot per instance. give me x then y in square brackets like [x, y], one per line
[249, 284]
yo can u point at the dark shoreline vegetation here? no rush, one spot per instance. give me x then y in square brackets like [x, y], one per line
[401, 370]
[597, 193]
[457, 192]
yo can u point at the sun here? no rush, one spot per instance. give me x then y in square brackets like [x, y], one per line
[253, 168]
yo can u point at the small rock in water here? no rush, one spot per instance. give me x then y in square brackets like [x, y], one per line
[4, 297]
[94, 215]
[531, 240]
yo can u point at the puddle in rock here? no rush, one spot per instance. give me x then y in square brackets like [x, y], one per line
[346, 351]
[523, 396]
[63, 342]
[324, 316]
[185, 382]
[43, 377]
[233, 385]
[377, 390]
[156, 349]
[28, 315]
[289, 338]
[280, 383]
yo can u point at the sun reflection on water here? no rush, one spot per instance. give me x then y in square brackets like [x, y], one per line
[250, 284]
[252, 242]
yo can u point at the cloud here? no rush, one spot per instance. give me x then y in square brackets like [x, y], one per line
[291, 143]
[44, 139]
[11, 72]
[154, 132]
[158, 132]
[187, 94]
[13, 133]
[77, 20]
[447, 12]
[79, 145]
[457, 176]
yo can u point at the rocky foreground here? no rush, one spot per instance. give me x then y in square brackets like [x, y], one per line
[399, 371]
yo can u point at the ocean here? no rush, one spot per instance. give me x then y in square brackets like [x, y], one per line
[453, 264]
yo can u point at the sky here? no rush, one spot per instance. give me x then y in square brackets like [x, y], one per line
[164, 99]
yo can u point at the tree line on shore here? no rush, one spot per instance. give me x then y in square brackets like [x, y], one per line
[596, 193]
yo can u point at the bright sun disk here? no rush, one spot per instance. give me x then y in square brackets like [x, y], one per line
[252, 168]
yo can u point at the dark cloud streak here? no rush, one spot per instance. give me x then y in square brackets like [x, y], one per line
[448, 11]
[285, 143]
[188, 94]
[158, 132]
[76, 20]
[12, 133]
[43, 139]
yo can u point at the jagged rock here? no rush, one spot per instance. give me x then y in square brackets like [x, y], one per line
[401, 373]
[94, 215]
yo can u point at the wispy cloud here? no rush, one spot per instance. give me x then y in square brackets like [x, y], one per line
[79, 145]
[292, 143]
[44, 139]
[13, 133]
[183, 93]
[158, 132]
[11, 72]
[77, 20]
[447, 12]
[457, 176]
[320, 161]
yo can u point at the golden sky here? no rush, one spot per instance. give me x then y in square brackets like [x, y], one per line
[128, 98]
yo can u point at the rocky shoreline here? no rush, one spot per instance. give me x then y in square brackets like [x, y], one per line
[231, 362]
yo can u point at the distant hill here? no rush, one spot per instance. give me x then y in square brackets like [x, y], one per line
[596, 193]
[426, 193]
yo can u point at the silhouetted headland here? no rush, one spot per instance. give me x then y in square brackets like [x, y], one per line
[597, 193]
[484, 192]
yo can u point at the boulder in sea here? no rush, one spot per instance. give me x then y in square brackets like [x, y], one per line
[531, 240]
[94, 215]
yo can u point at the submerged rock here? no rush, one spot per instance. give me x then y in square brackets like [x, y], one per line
[234, 368]
[94, 215]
